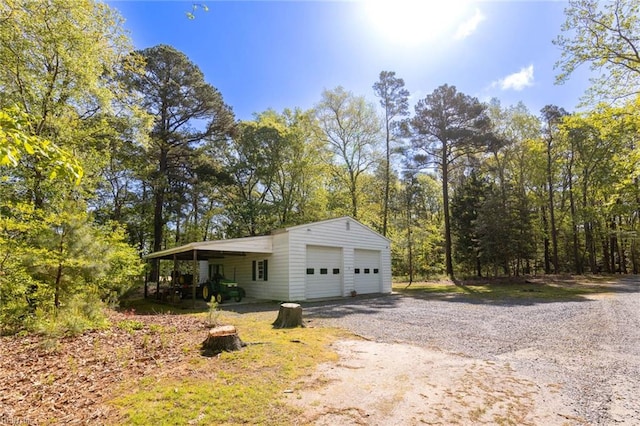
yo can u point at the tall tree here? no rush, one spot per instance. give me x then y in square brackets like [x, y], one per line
[604, 35]
[394, 100]
[350, 127]
[58, 60]
[447, 126]
[58, 63]
[552, 117]
[187, 112]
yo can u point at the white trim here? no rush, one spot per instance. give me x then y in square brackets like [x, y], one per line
[262, 244]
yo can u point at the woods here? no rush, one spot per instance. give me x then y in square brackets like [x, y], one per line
[108, 153]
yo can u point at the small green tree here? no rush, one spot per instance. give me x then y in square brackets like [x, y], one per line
[52, 259]
[465, 205]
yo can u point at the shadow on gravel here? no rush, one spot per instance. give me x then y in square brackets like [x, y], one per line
[372, 304]
[335, 308]
[498, 293]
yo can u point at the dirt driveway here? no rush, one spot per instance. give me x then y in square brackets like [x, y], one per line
[448, 360]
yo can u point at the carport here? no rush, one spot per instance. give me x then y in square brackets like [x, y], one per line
[206, 251]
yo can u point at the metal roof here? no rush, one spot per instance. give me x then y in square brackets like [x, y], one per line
[217, 249]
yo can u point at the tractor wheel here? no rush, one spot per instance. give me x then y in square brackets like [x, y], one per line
[206, 293]
[219, 298]
[238, 298]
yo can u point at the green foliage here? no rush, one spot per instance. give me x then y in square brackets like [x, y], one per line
[603, 35]
[166, 163]
[350, 129]
[62, 62]
[55, 266]
[465, 208]
[213, 314]
[16, 142]
[277, 175]
[130, 325]
[81, 312]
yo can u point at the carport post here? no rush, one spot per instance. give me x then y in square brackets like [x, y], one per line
[195, 278]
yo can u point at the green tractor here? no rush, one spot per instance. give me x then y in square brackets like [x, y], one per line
[220, 288]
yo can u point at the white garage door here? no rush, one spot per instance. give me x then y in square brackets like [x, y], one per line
[367, 271]
[324, 272]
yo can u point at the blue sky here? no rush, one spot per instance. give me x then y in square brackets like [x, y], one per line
[283, 54]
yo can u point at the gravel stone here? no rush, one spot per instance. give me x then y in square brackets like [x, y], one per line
[589, 346]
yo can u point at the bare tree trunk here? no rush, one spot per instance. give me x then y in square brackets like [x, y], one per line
[547, 257]
[410, 247]
[574, 228]
[622, 254]
[606, 254]
[158, 216]
[447, 219]
[354, 195]
[387, 178]
[56, 296]
[552, 217]
[613, 244]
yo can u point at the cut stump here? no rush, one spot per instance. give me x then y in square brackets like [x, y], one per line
[222, 339]
[289, 316]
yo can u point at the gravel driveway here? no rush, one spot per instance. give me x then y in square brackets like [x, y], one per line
[589, 346]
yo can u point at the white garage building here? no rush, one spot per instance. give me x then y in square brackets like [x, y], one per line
[318, 260]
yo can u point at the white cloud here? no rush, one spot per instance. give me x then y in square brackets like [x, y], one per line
[516, 81]
[470, 25]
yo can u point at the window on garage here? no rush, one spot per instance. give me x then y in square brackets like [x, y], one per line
[260, 270]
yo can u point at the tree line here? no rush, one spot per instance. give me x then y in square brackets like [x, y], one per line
[107, 153]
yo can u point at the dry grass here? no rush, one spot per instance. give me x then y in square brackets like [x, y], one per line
[542, 288]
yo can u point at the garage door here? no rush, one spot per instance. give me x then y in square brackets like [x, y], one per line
[367, 271]
[323, 272]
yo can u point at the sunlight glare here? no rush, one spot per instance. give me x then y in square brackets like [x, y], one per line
[414, 22]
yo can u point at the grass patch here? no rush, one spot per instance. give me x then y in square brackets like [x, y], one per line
[247, 386]
[544, 289]
[130, 325]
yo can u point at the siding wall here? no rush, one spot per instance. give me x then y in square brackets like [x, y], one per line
[279, 272]
[276, 285]
[344, 233]
[287, 263]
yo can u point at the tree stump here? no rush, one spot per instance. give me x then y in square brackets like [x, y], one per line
[289, 316]
[222, 339]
